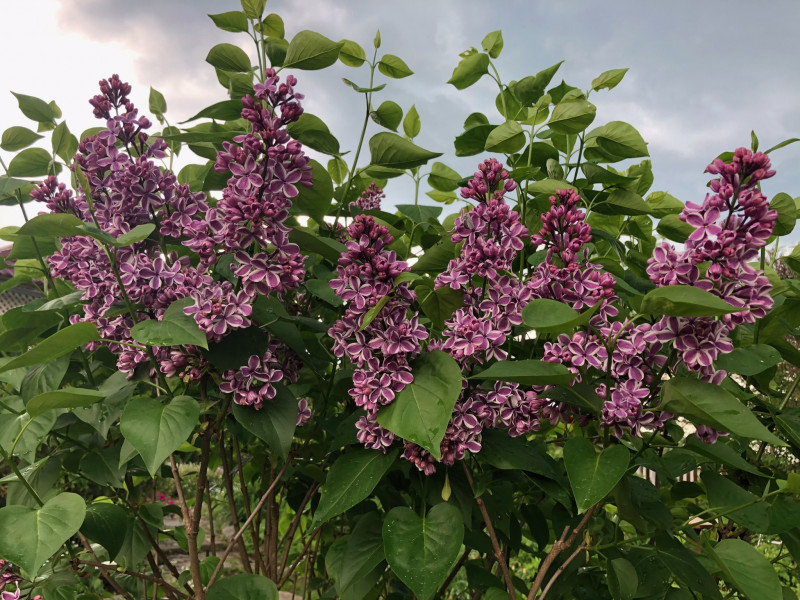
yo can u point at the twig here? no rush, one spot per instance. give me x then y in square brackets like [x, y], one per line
[286, 540]
[159, 582]
[260, 566]
[103, 569]
[454, 572]
[191, 531]
[226, 474]
[297, 560]
[212, 536]
[237, 536]
[498, 551]
[581, 547]
[558, 547]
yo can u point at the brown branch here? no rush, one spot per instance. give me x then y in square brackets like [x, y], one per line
[158, 581]
[103, 569]
[246, 495]
[212, 542]
[559, 546]
[297, 560]
[191, 531]
[454, 572]
[238, 535]
[498, 551]
[287, 538]
[581, 547]
[226, 475]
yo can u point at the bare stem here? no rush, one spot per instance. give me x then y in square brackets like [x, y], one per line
[191, 531]
[498, 551]
[238, 535]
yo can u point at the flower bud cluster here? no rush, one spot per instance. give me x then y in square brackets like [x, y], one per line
[369, 280]
[370, 199]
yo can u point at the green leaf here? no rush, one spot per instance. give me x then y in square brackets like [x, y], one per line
[724, 495]
[253, 9]
[506, 138]
[572, 117]
[43, 378]
[443, 178]
[530, 89]
[364, 552]
[684, 301]
[591, 475]
[782, 144]
[550, 316]
[473, 140]
[391, 150]
[54, 225]
[174, 329]
[17, 138]
[388, 114]
[622, 577]
[394, 67]
[622, 202]
[751, 360]
[749, 570]
[712, 405]
[471, 68]
[64, 398]
[272, 25]
[274, 422]
[35, 109]
[493, 43]
[156, 429]
[311, 131]
[105, 524]
[244, 586]
[787, 213]
[439, 304]
[720, 453]
[526, 372]
[337, 169]
[65, 145]
[421, 551]
[351, 479]
[351, 53]
[504, 452]
[683, 564]
[229, 58]
[613, 142]
[608, 79]
[8, 185]
[309, 50]
[157, 103]
[421, 411]
[137, 234]
[234, 21]
[672, 228]
[29, 536]
[310, 242]
[60, 343]
[662, 204]
[227, 110]
[788, 423]
[315, 201]
[33, 162]
[411, 122]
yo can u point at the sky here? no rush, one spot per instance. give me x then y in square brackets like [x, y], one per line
[702, 74]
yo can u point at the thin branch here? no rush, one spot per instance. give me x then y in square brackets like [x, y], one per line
[558, 547]
[498, 551]
[581, 547]
[226, 475]
[103, 569]
[454, 572]
[300, 556]
[289, 535]
[246, 495]
[237, 536]
[159, 582]
[191, 531]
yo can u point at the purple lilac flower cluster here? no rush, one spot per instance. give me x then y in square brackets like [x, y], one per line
[8, 580]
[129, 189]
[370, 199]
[369, 279]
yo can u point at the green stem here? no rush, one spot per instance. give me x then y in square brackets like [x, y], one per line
[502, 95]
[21, 478]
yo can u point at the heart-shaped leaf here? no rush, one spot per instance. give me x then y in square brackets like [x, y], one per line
[29, 536]
[420, 413]
[422, 550]
[593, 475]
[156, 429]
[274, 423]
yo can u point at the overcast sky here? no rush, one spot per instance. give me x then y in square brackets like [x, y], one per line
[702, 74]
